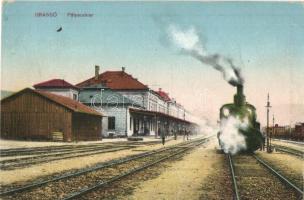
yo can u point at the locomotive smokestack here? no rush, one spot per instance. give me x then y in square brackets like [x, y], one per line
[239, 91]
[239, 97]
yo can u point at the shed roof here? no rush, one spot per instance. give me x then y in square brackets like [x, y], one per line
[66, 102]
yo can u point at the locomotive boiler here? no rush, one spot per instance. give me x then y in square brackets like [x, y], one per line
[243, 111]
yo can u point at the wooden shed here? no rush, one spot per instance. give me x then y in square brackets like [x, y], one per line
[38, 115]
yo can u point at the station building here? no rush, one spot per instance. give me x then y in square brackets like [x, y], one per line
[131, 107]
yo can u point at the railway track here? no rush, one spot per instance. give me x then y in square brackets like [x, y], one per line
[290, 141]
[61, 148]
[253, 178]
[288, 150]
[40, 155]
[39, 151]
[10, 164]
[68, 151]
[74, 185]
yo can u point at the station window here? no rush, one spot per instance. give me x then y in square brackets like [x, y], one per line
[131, 121]
[111, 123]
[75, 97]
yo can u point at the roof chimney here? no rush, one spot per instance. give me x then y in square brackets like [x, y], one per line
[123, 69]
[96, 72]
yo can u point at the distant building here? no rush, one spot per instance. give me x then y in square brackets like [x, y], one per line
[299, 131]
[60, 87]
[5, 93]
[36, 114]
[278, 131]
[287, 132]
[299, 128]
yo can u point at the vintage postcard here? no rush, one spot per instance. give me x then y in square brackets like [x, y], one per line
[152, 100]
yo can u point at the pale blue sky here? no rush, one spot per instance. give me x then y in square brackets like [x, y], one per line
[265, 39]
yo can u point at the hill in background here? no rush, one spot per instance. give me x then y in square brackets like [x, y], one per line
[5, 93]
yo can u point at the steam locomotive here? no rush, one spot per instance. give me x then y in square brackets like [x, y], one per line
[243, 111]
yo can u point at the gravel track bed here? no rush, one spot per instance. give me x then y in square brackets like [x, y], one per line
[123, 188]
[256, 182]
[219, 185]
[63, 173]
[281, 163]
[49, 168]
[59, 189]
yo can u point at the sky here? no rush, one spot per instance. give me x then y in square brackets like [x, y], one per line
[264, 39]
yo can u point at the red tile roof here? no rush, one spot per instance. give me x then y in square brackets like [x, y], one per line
[163, 95]
[115, 80]
[66, 102]
[55, 83]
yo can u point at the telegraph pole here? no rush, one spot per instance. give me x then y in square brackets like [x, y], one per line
[273, 129]
[267, 130]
